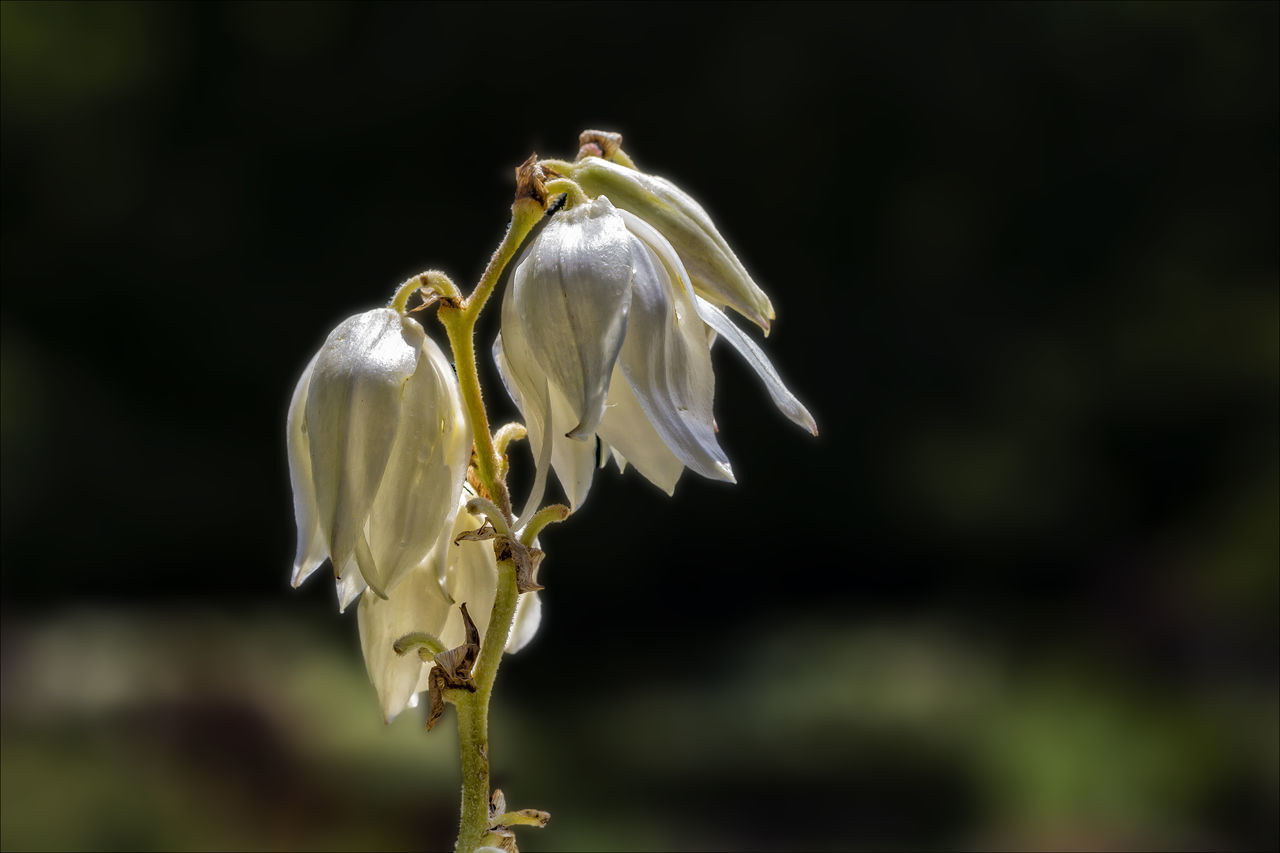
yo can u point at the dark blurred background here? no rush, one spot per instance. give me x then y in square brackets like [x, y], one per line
[1022, 592]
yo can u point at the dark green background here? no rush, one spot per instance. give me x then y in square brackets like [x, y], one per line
[1022, 592]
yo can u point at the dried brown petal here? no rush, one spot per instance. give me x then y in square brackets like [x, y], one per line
[599, 143]
[497, 804]
[453, 669]
[435, 696]
[526, 561]
[481, 533]
[529, 177]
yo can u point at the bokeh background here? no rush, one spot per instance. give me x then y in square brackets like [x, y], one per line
[1022, 591]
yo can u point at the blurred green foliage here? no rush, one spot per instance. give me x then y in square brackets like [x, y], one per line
[204, 731]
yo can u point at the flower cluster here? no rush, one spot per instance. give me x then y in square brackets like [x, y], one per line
[607, 329]
[378, 444]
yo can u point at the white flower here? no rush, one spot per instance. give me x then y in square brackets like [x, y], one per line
[378, 447]
[715, 271]
[427, 601]
[602, 333]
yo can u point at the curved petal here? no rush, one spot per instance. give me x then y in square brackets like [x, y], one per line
[311, 548]
[418, 495]
[471, 576]
[528, 618]
[665, 357]
[633, 439]
[759, 362]
[352, 409]
[571, 292]
[350, 585]
[714, 269]
[417, 605]
[546, 412]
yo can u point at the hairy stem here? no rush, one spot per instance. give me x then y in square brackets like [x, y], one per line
[473, 714]
[473, 708]
[460, 323]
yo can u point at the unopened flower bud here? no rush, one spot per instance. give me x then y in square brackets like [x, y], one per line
[717, 274]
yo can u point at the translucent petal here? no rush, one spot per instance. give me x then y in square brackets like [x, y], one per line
[353, 407]
[471, 577]
[629, 432]
[759, 362]
[417, 605]
[714, 269]
[350, 585]
[665, 357]
[545, 411]
[570, 293]
[528, 618]
[311, 547]
[418, 495]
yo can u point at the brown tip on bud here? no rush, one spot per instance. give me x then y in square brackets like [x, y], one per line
[598, 143]
[529, 181]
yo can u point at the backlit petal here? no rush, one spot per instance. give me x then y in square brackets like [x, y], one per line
[418, 604]
[665, 357]
[571, 292]
[419, 491]
[715, 271]
[352, 411]
[759, 362]
[311, 546]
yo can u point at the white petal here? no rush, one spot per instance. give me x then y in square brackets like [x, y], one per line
[546, 412]
[528, 618]
[471, 576]
[353, 407]
[418, 496]
[570, 293]
[350, 585]
[311, 548]
[628, 430]
[759, 362]
[714, 269]
[418, 604]
[665, 357]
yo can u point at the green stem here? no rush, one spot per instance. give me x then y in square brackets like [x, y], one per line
[473, 714]
[460, 325]
[473, 708]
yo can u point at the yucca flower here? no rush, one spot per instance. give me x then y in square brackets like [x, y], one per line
[378, 444]
[603, 334]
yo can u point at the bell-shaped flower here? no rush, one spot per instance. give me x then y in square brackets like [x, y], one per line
[378, 448]
[428, 602]
[603, 334]
[715, 271]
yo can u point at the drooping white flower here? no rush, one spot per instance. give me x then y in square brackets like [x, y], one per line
[714, 270]
[602, 333]
[378, 443]
[428, 601]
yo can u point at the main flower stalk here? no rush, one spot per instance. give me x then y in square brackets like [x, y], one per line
[473, 707]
